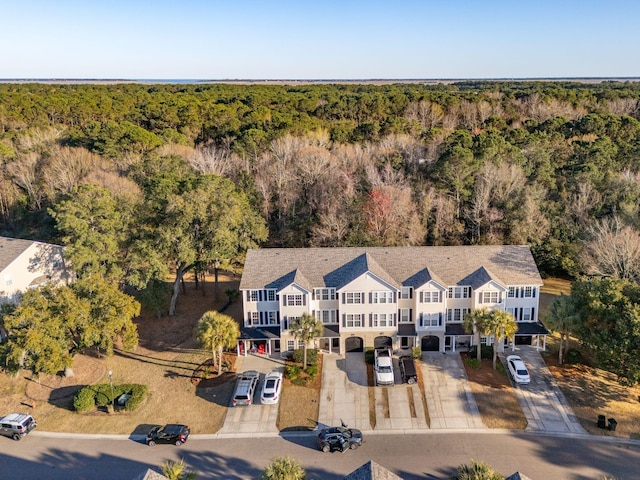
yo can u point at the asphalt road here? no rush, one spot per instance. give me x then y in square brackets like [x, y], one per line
[415, 456]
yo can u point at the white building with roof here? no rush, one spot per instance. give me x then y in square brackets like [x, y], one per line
[26, 264]
[397, 296]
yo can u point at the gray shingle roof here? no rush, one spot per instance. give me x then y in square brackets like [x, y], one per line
[10, 249]
[335, 267]
[372, 471]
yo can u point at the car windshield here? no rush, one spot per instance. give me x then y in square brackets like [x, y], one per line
[270, 385]
[345, 431]
[268, 394]
[522, 372]
[384, 369]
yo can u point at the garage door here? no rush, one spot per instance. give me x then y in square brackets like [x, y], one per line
[354, 344]
[430, 343]
[382, 342]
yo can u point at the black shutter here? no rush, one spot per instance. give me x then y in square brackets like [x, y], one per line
[411, 314]
[304, 300]
[533, 311]
[371, 320]
[344, 298]
[313, 294]
[533, 292]
[410, 292]
[248, 295]
[284, 300]
[344, 319]
[370, 297]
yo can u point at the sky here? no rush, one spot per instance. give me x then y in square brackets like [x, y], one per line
[318, 39]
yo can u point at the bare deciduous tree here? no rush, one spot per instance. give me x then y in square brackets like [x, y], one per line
[613, 249]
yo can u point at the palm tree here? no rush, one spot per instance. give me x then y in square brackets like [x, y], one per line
[562, 317]
[305, 330]
[216, 331]
[284, 468]
[177, 471]
[476, 322]
[477, 471]
[501, 325]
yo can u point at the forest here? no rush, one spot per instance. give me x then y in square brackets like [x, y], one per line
[555, 165]
[140, 182]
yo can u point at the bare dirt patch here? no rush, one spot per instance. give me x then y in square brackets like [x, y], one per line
[496, 400]
[166, 360]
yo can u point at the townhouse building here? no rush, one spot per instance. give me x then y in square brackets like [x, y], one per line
[398, 296]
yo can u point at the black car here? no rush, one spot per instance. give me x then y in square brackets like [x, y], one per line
[171, 433]
[339, 438]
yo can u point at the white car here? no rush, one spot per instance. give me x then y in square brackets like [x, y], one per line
[271, 388]
[383, 367]
[518, 370]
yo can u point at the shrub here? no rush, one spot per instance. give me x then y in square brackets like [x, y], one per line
[100, 395]
[486, 352]
[369, 356]
[292, 372]
[84, 400]
[312, 356]
[312, 371]
[472, 362]
[138, 394]
[573, 356]
[416, 353]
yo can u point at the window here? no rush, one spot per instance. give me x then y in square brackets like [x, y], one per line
[291, 320]
[490, 297]
[253, 295]
[294, 299]
[383, 319]
[405, 315]
[456, 314]
[271, 295]
[353, 320]
[272, 318]
[430, 320]
[8, 281]
[431, 297]
[327, 316]
[526, 314]
[512, 292]
[406, 293]
[324, 293]
[291, 345]
[254, 318]
[381, 297]
[511, 311]
[300, 344]
[528, 292]
[459, 292]
[353, 297]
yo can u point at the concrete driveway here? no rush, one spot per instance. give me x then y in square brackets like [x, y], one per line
[543, 403]
[344, 394]
[255, 418]
[449, 397]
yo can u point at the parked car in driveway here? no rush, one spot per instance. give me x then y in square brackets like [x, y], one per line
[271, 388]
[383, 366]
[408, 370]
[173, 433]
[17, 425]
[340, 438]
[518, 370]
[245, 388]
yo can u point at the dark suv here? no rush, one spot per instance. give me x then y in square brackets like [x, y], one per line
[16, 425]
[408, 370]
[339, 438]
[171, 433]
